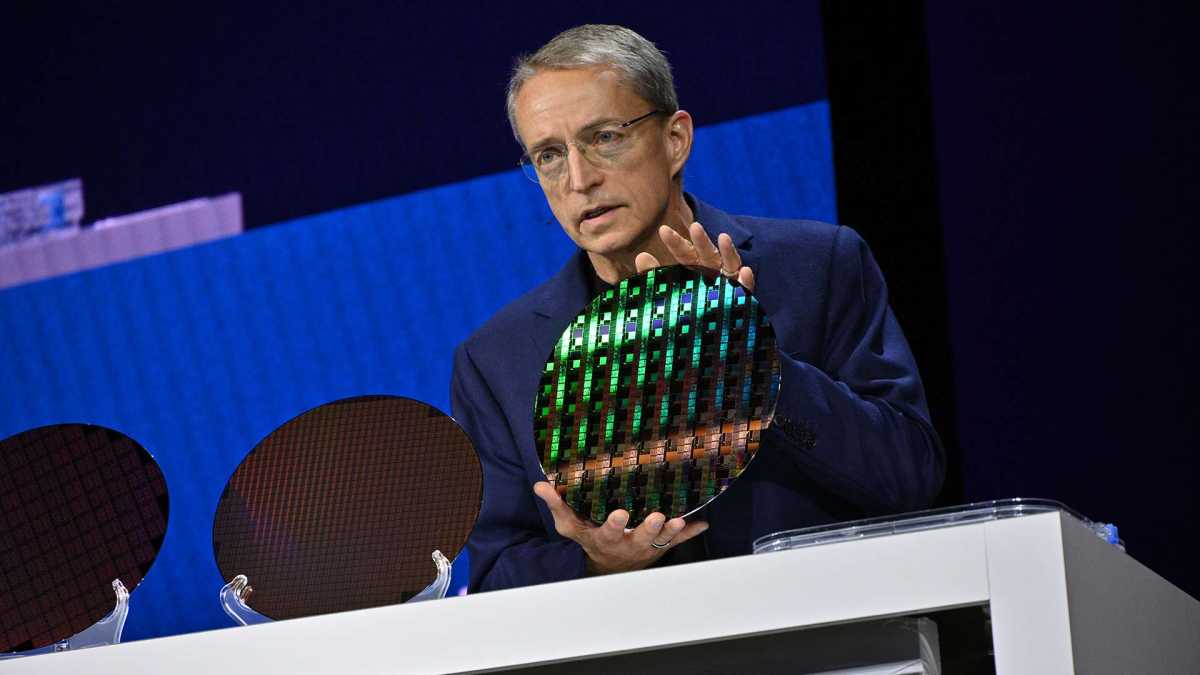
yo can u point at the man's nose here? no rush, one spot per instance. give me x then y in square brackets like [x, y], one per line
[581, 173]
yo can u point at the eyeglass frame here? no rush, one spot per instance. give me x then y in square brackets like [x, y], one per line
[536, 177]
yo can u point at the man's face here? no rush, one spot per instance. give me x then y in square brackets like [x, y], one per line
[603, 209]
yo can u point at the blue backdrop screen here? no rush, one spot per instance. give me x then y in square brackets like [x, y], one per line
[198, 354]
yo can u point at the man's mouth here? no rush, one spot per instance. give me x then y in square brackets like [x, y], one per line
[595, 213]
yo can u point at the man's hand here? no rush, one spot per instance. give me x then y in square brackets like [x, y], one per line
[721, 258]
[609, 547]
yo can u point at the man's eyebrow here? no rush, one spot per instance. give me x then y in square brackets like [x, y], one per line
[595, 123]
[599, 122]
[534, 147]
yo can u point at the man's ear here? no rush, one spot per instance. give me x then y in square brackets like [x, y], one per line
[679, 140]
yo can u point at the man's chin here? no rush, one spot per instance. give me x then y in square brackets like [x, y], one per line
[616, 240]
[608, 244]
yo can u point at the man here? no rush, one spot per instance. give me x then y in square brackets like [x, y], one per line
[596, 113]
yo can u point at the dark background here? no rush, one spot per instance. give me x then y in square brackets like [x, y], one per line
[1040, 161]
[1066, 144]
[307, 106]
[1025, 173]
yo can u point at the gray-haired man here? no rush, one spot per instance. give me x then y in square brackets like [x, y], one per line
[596, 113]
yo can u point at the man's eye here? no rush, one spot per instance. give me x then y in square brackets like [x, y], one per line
[606, 137]
[548, 156]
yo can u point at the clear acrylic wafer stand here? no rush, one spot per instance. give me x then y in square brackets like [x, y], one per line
[106, 631]
[235, 593]
[930, 519]
[233, 601]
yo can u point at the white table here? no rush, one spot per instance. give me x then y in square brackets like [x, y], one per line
[1061, 600]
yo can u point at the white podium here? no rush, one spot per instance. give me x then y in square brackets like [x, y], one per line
[1061, 601]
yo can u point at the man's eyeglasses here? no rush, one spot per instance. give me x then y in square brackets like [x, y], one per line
[602, 147]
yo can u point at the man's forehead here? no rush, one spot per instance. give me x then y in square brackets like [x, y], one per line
[554, 101]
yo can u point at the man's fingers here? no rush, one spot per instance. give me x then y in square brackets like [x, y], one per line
[613, 529]
[697, 250]
[565, 520]
[688, 531]
[656, 529]
[706, 252]
[670, 531]
[745, 277]
[731, 261]
[548, 494]
[673, 533]
[645, 261]
[649, 529]
[677, 530]
[681, 249]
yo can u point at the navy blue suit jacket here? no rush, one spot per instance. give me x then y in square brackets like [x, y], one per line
[851, 438]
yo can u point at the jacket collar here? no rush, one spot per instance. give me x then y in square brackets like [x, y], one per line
[567, 291]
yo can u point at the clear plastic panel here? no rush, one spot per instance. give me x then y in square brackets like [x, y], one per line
[234, 594]
[106, 631]
[927, 520]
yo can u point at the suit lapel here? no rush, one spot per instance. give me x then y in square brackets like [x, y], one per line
[559, 301]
